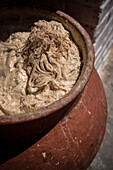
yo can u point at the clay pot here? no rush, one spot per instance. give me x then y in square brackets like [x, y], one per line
[68, 133]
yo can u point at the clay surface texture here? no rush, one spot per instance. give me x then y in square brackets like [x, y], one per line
[37, 67]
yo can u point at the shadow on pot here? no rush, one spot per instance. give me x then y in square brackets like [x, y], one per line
[16, 138]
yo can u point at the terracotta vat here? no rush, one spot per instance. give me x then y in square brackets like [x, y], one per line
[68, 133]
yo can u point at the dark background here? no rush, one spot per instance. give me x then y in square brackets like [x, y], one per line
[85, 11]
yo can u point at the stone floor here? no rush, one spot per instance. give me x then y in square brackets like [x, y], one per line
[104, 158]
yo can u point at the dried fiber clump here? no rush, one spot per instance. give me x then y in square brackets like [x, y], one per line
[49, 62]
[51, 57]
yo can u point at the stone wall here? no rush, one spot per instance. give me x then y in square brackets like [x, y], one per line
[103, 34]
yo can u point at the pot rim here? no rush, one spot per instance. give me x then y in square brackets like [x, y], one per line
[73, 93]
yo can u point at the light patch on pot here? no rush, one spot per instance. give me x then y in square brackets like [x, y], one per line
[63, 157]
[38, 145]
[89, 112]
[27, 167]
[65, 135]
[57, 163]
[37, 68]
[44, 154]
[32, 156]
[81, 102]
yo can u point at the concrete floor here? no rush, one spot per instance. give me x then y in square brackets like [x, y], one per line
[104, 158]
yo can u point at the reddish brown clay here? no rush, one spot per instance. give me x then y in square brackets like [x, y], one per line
[74, 141]
[68, 133]
[33, 126]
